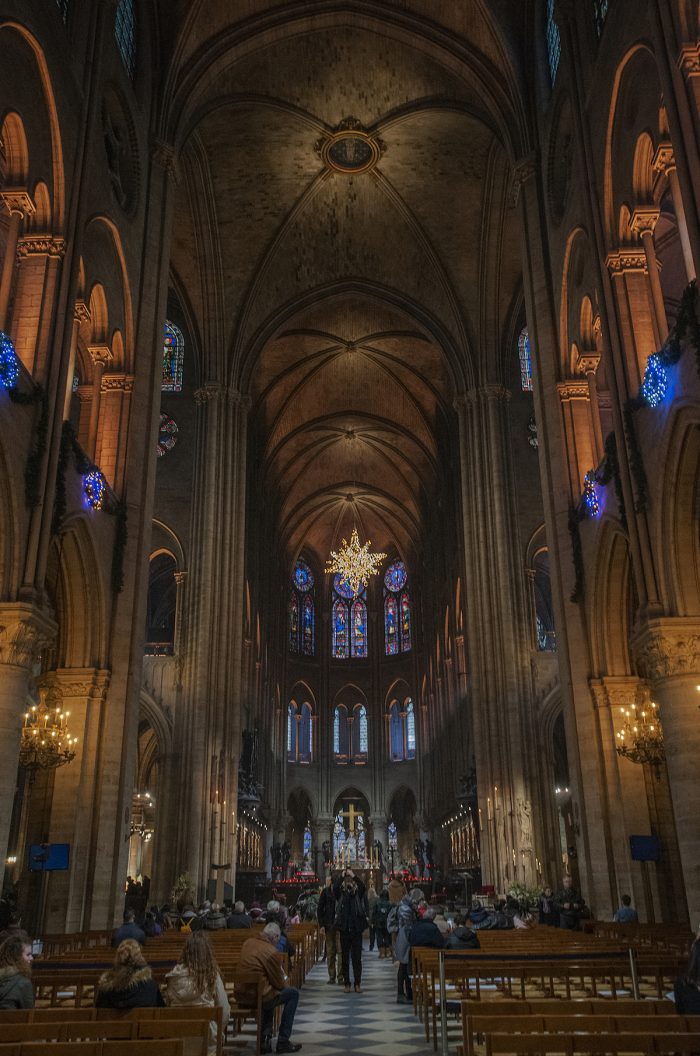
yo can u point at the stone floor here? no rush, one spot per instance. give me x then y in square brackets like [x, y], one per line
[329, 1021]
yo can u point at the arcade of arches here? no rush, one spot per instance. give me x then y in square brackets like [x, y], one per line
[273, 274]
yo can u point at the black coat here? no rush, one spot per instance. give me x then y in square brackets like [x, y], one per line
[426, 933]
[462, 939]
[238, 920]
[687, 998]
[352, 908]
[122, 988]
[325, 914]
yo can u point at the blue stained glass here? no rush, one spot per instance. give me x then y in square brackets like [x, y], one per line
[600, 13]
[553, 42]
[361, 837]
[308, 626]
[359, 629]
[343, 588]
[305, 735]
[173, 358]
[362, 742]
[395, 733]
[340, 630]
[303, 577]
[307, 842]
[391, 637]
[291, 733]
[410, 730]
[525, 356]
[338, 836]
[336, 731]
[395, 576]
[125, 34]
[405, 623]
[393, 837]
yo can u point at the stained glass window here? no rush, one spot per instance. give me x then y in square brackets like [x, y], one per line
[301, 610]
[291, 733]
[308, 630]
[340, 732]
[397, 610]
[167, 435]
[525, 356]
[360, 739]
[125, 34]
[361, 837]
[307, 842]
[340, 630]
[553, 42]
[393, 837]
[173, 358]
[305, 735]
[600, 13]
[336, 731]
[342, 587]
[359, 629]
[395, 733]
[410, 730]
[293, 610]
[338, 836]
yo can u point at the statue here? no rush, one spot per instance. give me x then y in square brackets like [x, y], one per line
[276, 855]
[380, 853]
[286, 854]
[429, 854]
[248, 786]
[327, 851]
[418, 854]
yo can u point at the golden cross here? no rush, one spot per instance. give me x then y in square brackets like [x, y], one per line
[351, 814]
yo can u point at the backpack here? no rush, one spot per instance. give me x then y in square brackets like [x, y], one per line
[186, 925]
[392, 921]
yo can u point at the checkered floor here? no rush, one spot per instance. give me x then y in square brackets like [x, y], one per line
[371, 1023]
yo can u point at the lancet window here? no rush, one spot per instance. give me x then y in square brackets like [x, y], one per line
[125, 34]
[525, 357]
[397, 610]
[350, 734]
[349, 622]
[299, 733]
[402, 731]
[173, 358]
[553, 42]
[301, 627]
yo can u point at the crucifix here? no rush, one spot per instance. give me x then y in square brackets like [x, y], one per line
[352, 816]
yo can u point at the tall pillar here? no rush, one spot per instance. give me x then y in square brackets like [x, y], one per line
[101, 355]
[643, 222]
[19, 204]
[39, 261]
[81, 692]
[588, 363]
[25, 631]
[668, 654]
[80, 315]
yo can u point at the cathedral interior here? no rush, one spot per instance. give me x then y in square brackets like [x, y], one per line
[275, 273]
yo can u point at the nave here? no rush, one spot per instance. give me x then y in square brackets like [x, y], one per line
[366, 1024]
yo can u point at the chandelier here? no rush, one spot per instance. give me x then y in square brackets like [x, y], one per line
[354, 563]
[641, 738]
[46, 740]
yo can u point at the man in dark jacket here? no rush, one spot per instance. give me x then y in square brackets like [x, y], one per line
[128, 930]
[351, 920]
[239, 918]
[570, 903]
[325, 914]
[425, 932]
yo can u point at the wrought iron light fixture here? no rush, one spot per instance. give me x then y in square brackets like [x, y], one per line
[641, 738]
[46, 740]
[354, 563]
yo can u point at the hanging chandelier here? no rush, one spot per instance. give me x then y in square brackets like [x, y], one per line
[641, 738]
[46, 740]
[354, 563]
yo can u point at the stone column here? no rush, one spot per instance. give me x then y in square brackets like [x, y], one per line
[39, 261]
[588, 363]
[81, 692]
[665, 164]
[25, 631]
[101, 355]
[668, 654]
[81, 315]
[19, 204]
[580, 446]
[643, 223]
[110, 443]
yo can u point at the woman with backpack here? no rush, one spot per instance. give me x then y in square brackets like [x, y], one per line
[379, 920]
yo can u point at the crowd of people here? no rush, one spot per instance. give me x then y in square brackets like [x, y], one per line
[396, 919]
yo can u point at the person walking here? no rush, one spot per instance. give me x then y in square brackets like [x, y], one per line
[372, 898]
[196, 980]
[379, 917]
[325, 914]
[351, 921]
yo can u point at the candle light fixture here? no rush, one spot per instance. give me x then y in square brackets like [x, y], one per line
[641, 738]
[46, 739]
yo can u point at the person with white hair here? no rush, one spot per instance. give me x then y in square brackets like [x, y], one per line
[238, 918]
[259, 957]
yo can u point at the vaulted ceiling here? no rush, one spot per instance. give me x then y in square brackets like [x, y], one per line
[353, 303]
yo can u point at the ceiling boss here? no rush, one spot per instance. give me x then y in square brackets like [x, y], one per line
[355, 563]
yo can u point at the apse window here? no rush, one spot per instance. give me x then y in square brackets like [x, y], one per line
[525, 357]
[402, 731]
[125, 35]
[173, 358]
[553, 42]
[350, 734]
[299, 733]
[348, 621]
[397, 610]
[300, 610]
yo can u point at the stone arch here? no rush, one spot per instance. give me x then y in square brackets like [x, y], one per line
[402, 810]
[610, 611]
[105, 262]
[14, 139]
[678, 514]
[74, 582]
[10, 522]
[163, 537]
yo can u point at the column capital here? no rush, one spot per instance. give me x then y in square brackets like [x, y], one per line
[117, 382]
[664, 160]
[618, 691]
[165, 155]
[180, 577]
[588, 362]
[644, 220]
[81, 312]
[214, 390]
[84, 682]
[572, 390]
[668, 647]
[626, 260]
[18, 201]
[688, 60]
[41, 246]
[24, 632]
[100, 354]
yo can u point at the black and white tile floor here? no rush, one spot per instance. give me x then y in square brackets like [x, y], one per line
[329, 1021]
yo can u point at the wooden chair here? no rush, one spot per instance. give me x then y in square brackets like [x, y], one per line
[241, 1013]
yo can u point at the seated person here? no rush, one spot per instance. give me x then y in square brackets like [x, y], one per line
[259, 956]
[128, 930]
[686, 992]
[239, 918]
[625, 914]
[129, 984]
[16, 990]
[425, 932]
[196, 980]
[461, 937]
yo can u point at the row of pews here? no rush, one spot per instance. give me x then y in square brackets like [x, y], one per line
[66, 975]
